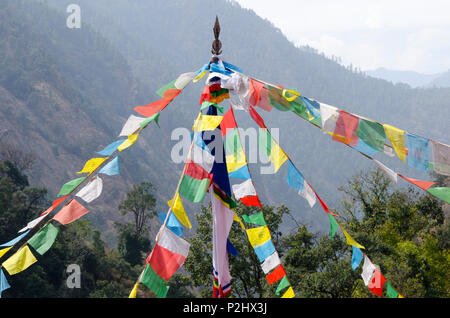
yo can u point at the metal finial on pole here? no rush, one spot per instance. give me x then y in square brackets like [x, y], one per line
[216, 45]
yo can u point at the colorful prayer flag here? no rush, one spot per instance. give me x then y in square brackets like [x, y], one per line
[417, 152]
[256, 218]
[155, 283]
[258, 235]
[33, 223]
[357, 257]
[377, 282]
[68, 188]
[169, 254]
[276, 274]
[289, 293]
[71, 212]
[108, 150]
[333, 225]
[282, 285]
[111, 168]
[442, 193]
[92, 164]
[367, 271]
[390, 291]
[131, 126]
[441, 157]
[392, 175]
[15, 240]
[329, 115]
[270, 262]
[19, 261]
[346, 127]
[265, 250]
[179, 212]
[207, 122]
[424, 185]
[397, 138]
[372, 133]
[128, 142]
[92, 190]
[172, 223]
[44, 239]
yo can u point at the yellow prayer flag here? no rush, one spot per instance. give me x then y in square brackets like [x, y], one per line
[238, 219]
[289, 293]
[134, 291]
[198, 77]
[20, 261]
[207, 122]
[128, 142]
[397, 138]
[236, 162]
[92, 164]
[350, 240]
[277, 156]
[179, 211]
[258, 235]
[4, 251]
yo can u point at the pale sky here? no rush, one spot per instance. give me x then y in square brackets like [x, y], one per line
[396, 34]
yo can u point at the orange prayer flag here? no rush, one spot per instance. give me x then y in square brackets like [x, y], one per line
[71, 212]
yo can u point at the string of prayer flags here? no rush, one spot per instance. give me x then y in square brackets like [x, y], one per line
[111, 168]
[92, 164]
[296, 180]
[441, 158]
[71, 212]
[92, 190]
[169, 254]
[397, 139]
[172, 223]
[179, 212]
[44, 239]
[19, 261]
[4, 285]
[153, 282]
[68, 187]
[112, 147]
[15, 240]
[128, 142]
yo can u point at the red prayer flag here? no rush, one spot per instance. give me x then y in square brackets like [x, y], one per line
[257, 118]
[345, 130]
[254, 94]
[151, 109]
[251, 201]
[228, 122]
[276, 275]
[424, 185]
[165, 262]
[71, 212]
[206, 95]
[376, 285]
[196, 171]
[54, 205]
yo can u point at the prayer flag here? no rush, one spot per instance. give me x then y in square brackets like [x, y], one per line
[148, 120]
[71, 212]
[128, 142]
[251, 201]
[179, 212]
[54, 205]
[333, 225]
[244, 189]
[134, 291]
[397, 138]
[377, 282]
[270, 262]
[392, 175]
[155, 283]
[345, 130]
[169, 254]
[4, 285]
[153, 108]
[240, 173]
[367, 271]
[19, 261]
[68, 188]
[424, 185]
[295, 180]
[131, 126]
[172, 223]
[111, 168]
[44, 239]
[329, 115]
[207, 122]
[417, 152]
[15, 240]
[196, 181]
[357, 257]
[289, 293]
[257, 118]
[92, 190]
[390, 291]
[265, 250]
[372, 133]
[4, 251]
[256, 218]
[33, 223]
[276, 274]
[108, 150]
[258, 235]
[282, 285]
[92, 164]
[442, 193]
[441, 158]
[350, 240]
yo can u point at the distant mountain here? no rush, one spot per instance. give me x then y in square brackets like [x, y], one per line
[413, 79]
[443, 80]
[65, 93]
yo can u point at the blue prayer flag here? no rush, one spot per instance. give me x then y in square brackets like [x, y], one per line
[4, 285]
[112, 168]
[295, 178]
[417, 152]
[265, 250]
[172, 223]
[356, 257]
[363, 147]
[14, 241]
[111, 148]
[241, 173]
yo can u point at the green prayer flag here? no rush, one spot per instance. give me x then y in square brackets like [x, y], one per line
[283, 284]
[206, 104]
[148, 120]
[70, 186]
[277, 100]
[256, 218]
[442, 193]
[44, 239]
[390, 291]
[372, 133]
[333, 225]
[155, 283]
[194, 189]
[171, 85]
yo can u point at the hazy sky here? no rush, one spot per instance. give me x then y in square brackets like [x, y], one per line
[396, 34]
